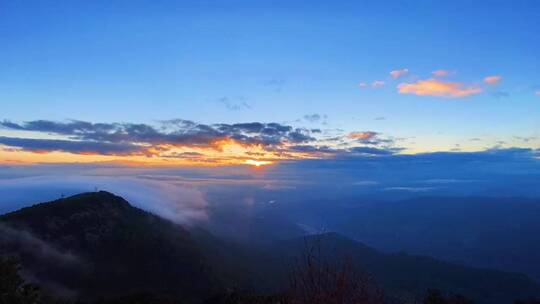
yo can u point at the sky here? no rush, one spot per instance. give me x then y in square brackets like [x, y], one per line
[228, 83]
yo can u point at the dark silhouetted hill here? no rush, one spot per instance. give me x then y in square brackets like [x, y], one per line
[119, 249]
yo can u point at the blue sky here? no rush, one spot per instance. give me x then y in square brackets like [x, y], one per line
[233, 62]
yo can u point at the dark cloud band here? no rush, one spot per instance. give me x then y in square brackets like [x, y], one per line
[81, 137]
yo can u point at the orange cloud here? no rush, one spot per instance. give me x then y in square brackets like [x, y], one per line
[231, 153]
[439, 88]
[222, 152]
[492, 80]
[399, 73]
[362, 135]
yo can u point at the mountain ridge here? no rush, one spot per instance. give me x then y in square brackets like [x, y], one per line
[123, 249]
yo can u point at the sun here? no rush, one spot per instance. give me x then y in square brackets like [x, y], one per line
[257, 163]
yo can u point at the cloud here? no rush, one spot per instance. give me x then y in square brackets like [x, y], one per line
[442, 181]
[440, 73]
[373, 151]
[399, 73]
[439, 88]
[179, 203]
[314, 149]
[509, 171]
[365, 183]
[362, 135]
[25, 243]
[315, 118]
[71, 146]
[369, 138]
[178, 142]
[525, 138]
[312, 117]
[148, 140]
[374, 85]
[233, 105]
[369, 147]
[39, 258]
[537, 93]
[410, 189]
[492, 80]
[377, 84]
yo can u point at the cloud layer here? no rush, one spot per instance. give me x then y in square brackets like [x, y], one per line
[173, 132]
[179, 141]
[169, 139]
[177, 202]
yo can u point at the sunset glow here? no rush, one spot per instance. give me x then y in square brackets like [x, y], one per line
[257, 163]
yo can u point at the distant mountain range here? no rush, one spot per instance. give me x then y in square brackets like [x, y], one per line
[499, 233]
[490, 232]
[96, 244]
